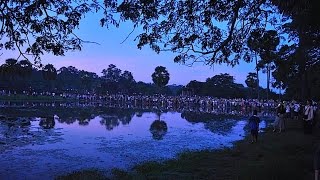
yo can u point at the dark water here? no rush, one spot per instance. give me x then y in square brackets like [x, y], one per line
[64, 139]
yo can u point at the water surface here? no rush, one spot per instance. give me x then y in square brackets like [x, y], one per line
[105, 138]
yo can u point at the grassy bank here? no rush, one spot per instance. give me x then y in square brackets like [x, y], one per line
[287, 155]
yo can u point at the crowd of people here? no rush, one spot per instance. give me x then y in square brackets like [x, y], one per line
[308, 113]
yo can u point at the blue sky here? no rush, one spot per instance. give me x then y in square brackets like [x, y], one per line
[127, 56]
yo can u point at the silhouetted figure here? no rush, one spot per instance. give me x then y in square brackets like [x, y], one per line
[254, 121]
[308, 117]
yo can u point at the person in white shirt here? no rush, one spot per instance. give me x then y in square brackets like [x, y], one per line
[296, 109]
[308, 117]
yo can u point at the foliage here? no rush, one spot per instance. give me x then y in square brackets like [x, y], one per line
[301, 55]
[158, 129]
[210, 31]
[251, 80]
[36, 27]
[221, 85]
[49, 72]
[161, 76]
[19, 76]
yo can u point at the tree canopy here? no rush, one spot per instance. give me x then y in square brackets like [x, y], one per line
[160, 76]
[213, 31]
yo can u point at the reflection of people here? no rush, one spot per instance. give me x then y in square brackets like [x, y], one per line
[254, 121]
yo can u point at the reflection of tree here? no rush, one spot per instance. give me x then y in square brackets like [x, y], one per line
[158, 128]
[195, 117]
[71, 115]
[139, 113]
[109, 121]
[47, 123]
[217, 123]
[112, 117]
[85, 117]
[221, 127]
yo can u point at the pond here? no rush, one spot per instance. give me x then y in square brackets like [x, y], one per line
[62, 139]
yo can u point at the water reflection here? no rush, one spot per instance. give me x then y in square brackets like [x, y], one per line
[47, 123]
[67, 138]
[158, 127]
[113, 117]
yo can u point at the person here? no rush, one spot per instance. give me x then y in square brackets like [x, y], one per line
[308, 117]
[254, 121]
[296, 109]
[279, 121]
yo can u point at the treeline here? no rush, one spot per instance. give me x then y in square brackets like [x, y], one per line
[21, 76]
[224, 86]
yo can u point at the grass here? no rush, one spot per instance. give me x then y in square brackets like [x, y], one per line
[276, 156]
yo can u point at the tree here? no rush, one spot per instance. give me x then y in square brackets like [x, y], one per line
[212, 31]
[195, 87]
[160, 77]
[111, 77]
[251, 81]
[127, 82]
[25, 67]
[35, 27]
[12, 69]
[49, 73]
[265, 42]
[112, 73]
[223, 85]
[303, 54]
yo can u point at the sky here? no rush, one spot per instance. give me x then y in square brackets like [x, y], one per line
[126, 56]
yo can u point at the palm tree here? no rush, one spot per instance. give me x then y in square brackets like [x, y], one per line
[160, 77]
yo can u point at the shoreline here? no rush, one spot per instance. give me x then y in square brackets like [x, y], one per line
[287, 155]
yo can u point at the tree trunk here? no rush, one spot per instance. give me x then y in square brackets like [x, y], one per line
[268, 80]
[302, 66]
[258, 94]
